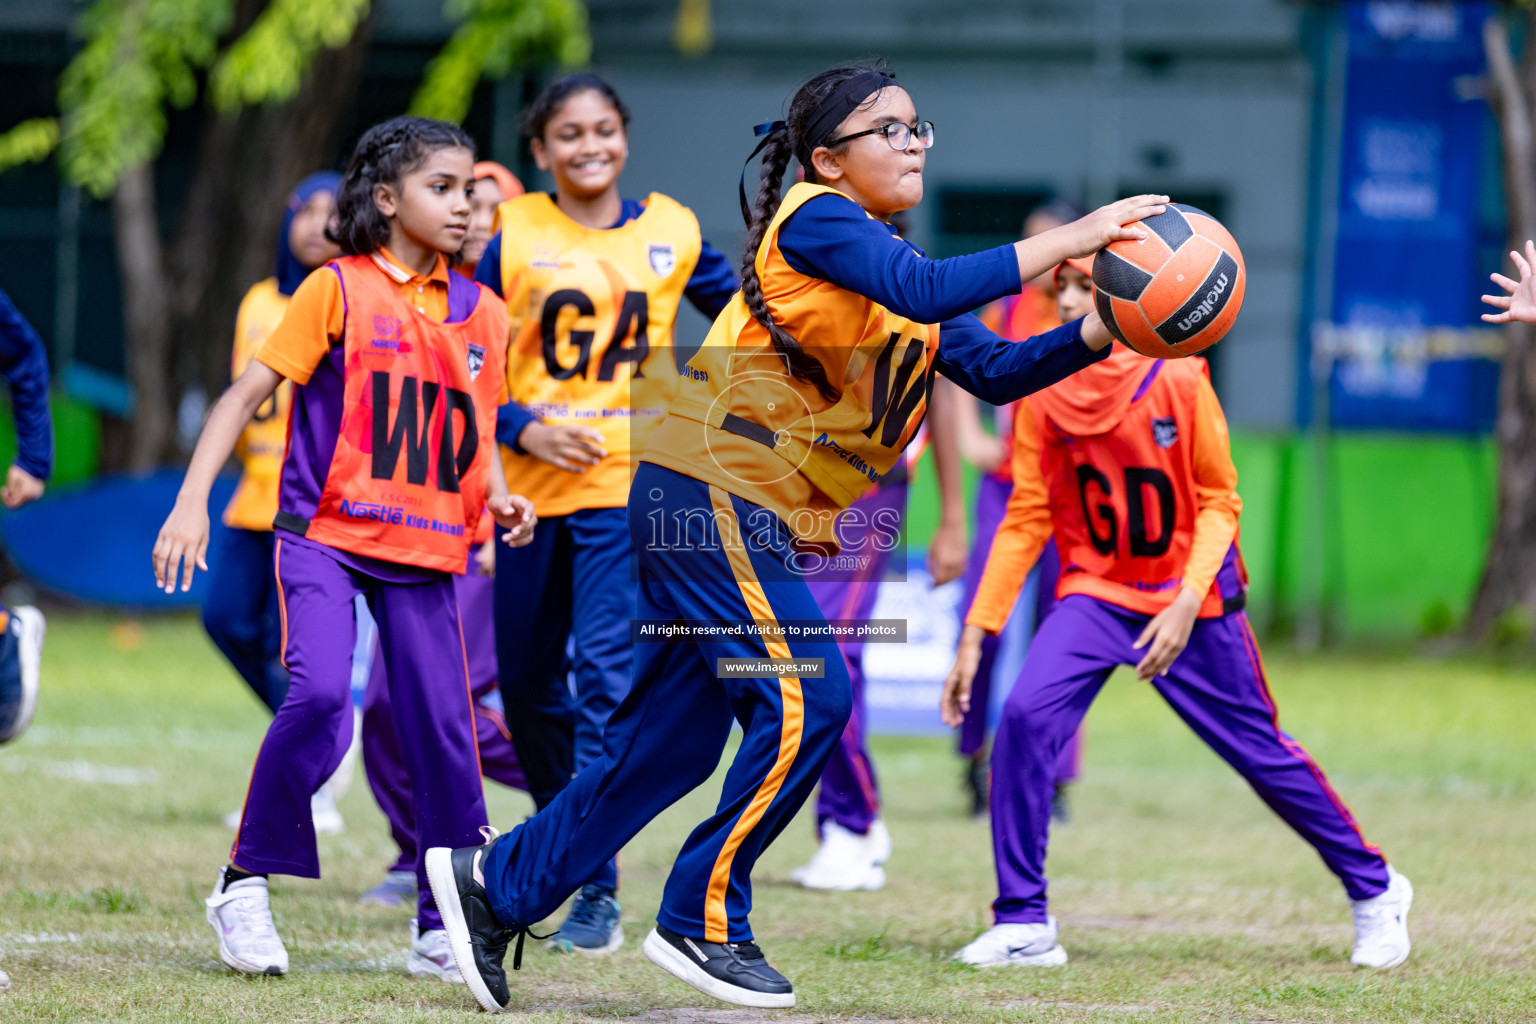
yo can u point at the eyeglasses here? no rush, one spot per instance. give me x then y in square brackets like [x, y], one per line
[898, 135]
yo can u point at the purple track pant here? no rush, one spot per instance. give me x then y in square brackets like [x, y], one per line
[991, 504]
[850, 794]
[1216, 685]
[381, 747]
[423, 647]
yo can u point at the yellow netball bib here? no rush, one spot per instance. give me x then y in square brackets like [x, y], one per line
[261, 445]
[591, 317]
[742, 422]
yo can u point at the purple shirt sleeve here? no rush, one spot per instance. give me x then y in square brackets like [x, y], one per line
[999, 371]
[24, 363]
[832, 238]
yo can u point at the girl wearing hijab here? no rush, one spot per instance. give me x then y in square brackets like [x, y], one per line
[494, 185]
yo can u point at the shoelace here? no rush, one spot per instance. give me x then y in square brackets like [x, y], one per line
[747, 951]
[1375, 914]
[254, 917]
[517, 953]
[587, 910]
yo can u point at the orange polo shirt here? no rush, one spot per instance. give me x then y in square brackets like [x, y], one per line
[316, 316]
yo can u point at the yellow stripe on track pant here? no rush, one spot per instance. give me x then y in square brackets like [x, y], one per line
[668, 735]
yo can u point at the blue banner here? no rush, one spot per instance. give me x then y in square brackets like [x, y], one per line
[1400, 348]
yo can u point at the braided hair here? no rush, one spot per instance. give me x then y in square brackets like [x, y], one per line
[777, 150]
[386, 153]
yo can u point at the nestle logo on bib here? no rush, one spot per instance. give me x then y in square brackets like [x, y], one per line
[1165, 431]
[367, 510]
[386, 333]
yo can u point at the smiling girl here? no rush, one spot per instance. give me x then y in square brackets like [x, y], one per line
[811, 383]
[397, 368]
[592, 283]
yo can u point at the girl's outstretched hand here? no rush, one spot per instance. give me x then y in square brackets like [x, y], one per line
[514, 512]
[1113, 223]
[956, 700]
[183, 543]
[1520, 303]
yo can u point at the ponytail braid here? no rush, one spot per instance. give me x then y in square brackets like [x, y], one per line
[792, 140]
[802, 365]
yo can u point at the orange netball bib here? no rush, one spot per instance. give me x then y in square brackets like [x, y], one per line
[408, 477]
[1123, 502]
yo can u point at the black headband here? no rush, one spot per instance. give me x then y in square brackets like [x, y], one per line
[831, 112]
[834, 110]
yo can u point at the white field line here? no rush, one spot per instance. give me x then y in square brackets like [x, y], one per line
[83, 771]
[321, 958]
[139, 737]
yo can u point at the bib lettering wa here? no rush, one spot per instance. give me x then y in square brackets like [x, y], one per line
[408, 477]
[590, 316]
[742, 422]
[1123, 503]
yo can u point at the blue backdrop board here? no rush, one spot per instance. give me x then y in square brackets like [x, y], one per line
[1406, 251]
[93, 542]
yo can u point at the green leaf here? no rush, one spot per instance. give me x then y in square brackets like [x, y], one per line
[496, 37]
[29, 142]
[139, 56]
[267, 63]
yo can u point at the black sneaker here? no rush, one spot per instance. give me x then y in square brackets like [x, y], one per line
[735, 972]
[476, 936]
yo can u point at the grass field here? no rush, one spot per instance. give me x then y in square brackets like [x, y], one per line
[1181, 897]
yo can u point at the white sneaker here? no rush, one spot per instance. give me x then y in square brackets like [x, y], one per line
[1381, 925]
[879, 842]
[432, 956]
[29, 628]
[5, 981]
[844, 861]
[1016, 945]
[322, 808]
[242, 919]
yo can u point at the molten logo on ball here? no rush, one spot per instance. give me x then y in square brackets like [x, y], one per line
[1176, 292]
[1205, 307]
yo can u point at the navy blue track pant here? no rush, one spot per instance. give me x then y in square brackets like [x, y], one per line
[702, 554]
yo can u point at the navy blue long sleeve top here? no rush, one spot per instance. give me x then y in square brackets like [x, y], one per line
[24, 363]
[709, 288]
[831, 237]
